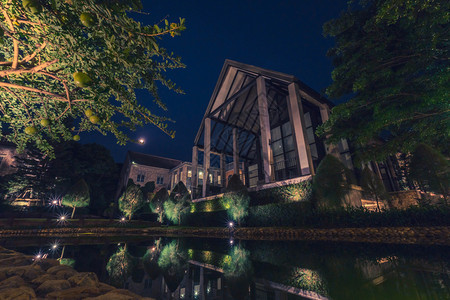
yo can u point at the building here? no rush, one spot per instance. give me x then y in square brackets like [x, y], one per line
[143, 168]
[264, 121]
[7, 158]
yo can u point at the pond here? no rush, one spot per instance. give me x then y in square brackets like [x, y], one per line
[191, 268]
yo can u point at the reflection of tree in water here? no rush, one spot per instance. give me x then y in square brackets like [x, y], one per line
[309, 280]
[150, 260]
[120, 266]
[238, 272]
[173, 263]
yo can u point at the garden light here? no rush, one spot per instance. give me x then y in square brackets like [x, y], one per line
[231, 241]
[231, 224]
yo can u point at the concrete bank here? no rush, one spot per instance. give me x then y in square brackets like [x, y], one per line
[438, 235]
[23, 277]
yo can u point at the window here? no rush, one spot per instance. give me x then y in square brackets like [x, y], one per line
[189, 173]
[284, 154]
[219, 179]
[211, 178]
[140, 178]
[159, 180]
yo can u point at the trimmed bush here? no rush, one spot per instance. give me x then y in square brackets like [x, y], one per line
[278, 214]
[78, 196]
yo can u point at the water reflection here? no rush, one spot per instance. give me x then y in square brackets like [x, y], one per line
[214, 269]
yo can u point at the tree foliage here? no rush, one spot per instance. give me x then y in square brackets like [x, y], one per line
[72, 66]
[431, 170]
[392, 59]
[331, 182]
[77, 196]
[173, 263]
[178, 203]
[373, 185]
[157, 203]
[120, 266]
[131, 200]
[237, 204]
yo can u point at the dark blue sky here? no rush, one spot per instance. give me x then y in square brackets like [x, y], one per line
[284, 36]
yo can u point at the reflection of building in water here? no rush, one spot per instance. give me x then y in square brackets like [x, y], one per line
[206, 282]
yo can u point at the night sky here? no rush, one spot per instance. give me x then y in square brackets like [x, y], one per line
[284, 36]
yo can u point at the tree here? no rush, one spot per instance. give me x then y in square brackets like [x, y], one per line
[178, 203]
[373, 185]
[31, 177]
[237, 199]
[392, 59]
[148, 190]
[131, 200]
[431, 170]
[331, 182]
[77, 196]
[72, 66]
[157, 203]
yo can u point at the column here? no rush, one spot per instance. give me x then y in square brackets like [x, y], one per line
[296, 117]
[206, 155]
[202, 284]
[223, 169]
[330, 148]
[235, 152]
[194, 178]
[264, 125]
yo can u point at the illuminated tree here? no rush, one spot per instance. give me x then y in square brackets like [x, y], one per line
[392, 59]
[178, 203]
[77, 196]
[157, 203]
[72, 66]
[238, 272]
[236, 200]
[373, 185]
[131, 200]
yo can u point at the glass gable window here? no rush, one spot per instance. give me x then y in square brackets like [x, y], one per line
[284, 154]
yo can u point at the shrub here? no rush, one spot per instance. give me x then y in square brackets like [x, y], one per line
[293, 193]
[131, 200]
[373, 185]
[157, 203]
[178, 203]
[78, 196]
[278, 214]
[238, 205]
[331, 183]
[235, 185]
[431, 170]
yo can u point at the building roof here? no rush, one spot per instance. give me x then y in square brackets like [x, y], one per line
[153, 160]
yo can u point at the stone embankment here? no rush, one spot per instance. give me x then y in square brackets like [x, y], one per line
[433, 235]
[24, 277]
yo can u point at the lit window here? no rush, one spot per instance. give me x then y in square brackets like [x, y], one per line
[219, 179]
[189, 174]
[210, 178]
[200, 175]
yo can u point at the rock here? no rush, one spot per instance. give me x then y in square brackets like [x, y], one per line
[15, 260]
[84, 279]
[12, 282]
[65, 274]
[46, 264]
[22, 293]
[80, 292]
[52, 286]
[118, 294]
[105, 288]
[43, 278]
[56, 269]
[26, 272]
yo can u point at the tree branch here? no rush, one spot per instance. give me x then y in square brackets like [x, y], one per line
[15, 42]
[15, 86]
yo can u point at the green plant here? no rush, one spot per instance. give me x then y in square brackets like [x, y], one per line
[61, 58]
[235, 184]
[391, 59]
[373, 185]
[120, 266]
[77, 196]
[173, 263]
[331, 183]
[293, 193]
[238, 204]
[157, 203]
[131, 200]
[431, 170]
